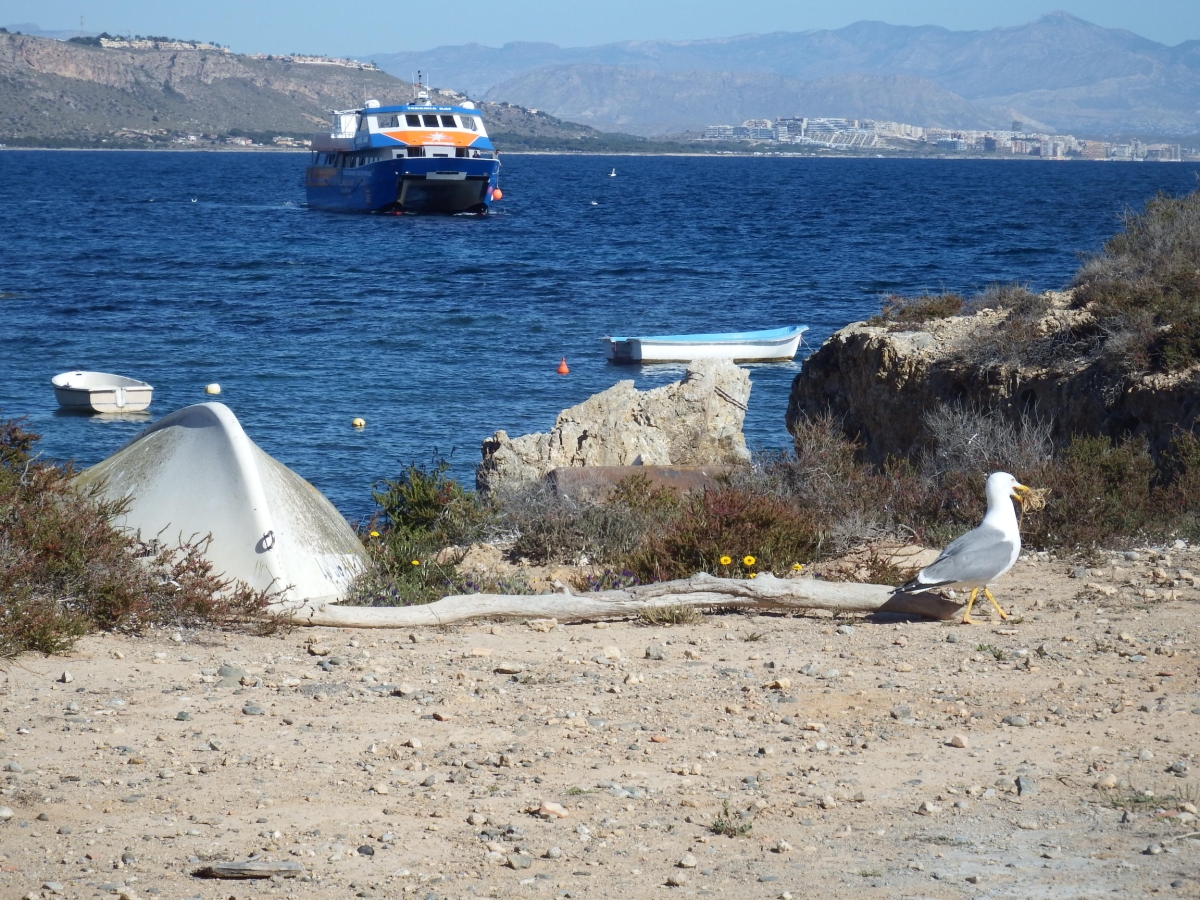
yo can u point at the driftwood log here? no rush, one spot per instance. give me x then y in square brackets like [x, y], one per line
[763, 592]
[251, 868]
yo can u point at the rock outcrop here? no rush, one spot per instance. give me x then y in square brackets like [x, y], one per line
[696, 421]
[880, 382]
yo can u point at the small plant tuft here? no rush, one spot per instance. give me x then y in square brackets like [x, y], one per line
[726, 823]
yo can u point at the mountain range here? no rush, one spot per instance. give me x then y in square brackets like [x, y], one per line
[1057, 73]
[60, 93]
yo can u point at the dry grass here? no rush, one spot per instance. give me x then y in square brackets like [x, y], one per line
[900, 313]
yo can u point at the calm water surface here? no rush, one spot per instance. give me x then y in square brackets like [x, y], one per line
[188, 268]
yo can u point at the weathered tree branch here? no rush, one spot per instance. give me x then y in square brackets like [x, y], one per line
[763, 592]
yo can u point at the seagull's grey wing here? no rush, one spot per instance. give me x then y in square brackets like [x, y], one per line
[977, 556]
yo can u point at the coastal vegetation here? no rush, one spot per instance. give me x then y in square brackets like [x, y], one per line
[66, 569]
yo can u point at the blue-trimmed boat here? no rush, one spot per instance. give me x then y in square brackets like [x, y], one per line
[415, 158]
[768, 345]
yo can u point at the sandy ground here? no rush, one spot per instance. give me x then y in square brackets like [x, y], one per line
[415, 764]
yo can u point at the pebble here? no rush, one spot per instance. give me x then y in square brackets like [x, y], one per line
[52, 886]
[1026, 785]
[1153, 850]
[845, 629]
[677, 879]
[552, 811]
[901, 712]
[952, 637]
[182, 716]
[554, 853]
[318, 650]
[380, 788]
[520, 861]
[1052, 853]
[960, 741]
[477, 819]
[14, 767]
[687, 861]
[656, 652]
[1016, 721]
[251, 710]
[928, 809]
[66, 677]
[1107, 783]
[366, 850]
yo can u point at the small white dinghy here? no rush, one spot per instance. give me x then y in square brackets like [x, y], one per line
[100, 392]
[769, 345]
[196, 472]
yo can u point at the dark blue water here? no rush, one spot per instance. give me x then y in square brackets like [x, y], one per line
[187, 268]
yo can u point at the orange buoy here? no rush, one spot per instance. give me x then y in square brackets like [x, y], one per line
[563, 368]
[497, 194]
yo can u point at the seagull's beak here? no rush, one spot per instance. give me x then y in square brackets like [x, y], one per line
[1016, 494]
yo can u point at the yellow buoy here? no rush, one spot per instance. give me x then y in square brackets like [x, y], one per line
[213, 388]
[358, 422]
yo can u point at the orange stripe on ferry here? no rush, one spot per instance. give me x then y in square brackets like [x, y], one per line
[442, 138]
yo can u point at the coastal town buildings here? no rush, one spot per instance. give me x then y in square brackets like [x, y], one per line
[867, 134]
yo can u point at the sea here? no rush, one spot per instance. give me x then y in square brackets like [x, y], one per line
[188, 268]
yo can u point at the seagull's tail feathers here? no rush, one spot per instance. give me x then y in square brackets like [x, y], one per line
[917, 586]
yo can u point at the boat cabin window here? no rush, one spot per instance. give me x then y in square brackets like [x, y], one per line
[416, 151]
[448, 122]
[362, 123]
[431, 121]
[413, 121]
[389, 121]
[469, 123]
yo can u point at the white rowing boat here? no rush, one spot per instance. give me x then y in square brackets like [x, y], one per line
[768, 345]
[100, 392]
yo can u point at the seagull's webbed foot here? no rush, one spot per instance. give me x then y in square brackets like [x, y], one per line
[1003, 614]
[966, 619]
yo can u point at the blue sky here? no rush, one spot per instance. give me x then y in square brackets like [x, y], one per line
[340, 29]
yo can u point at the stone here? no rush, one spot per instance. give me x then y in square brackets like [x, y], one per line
[520, 861]
[380, 788]
[862, 374]
[1016, 721]
[319, 650]
[52, 886]
[677, 879]
[252, 710]
[901, 712]
[552, 811]
[687, 861]
[960, 741]
[1106, 783]
[14, 767]
[656, 652]
[554, 853]
[929, 809]
[1026, 785]
[182, 716]
[827, 802]
[66, 677]
[366, 850]
[477, 819]
[6, 813]
[696, 421]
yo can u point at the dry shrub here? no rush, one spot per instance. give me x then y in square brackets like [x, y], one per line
[66, 570]
[901, 312]
[966, 439]
[675, 614]
[549, 528]
[1145, 284]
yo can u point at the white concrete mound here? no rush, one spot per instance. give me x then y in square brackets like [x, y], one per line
[195, 472]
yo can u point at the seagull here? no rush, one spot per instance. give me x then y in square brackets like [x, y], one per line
[983, 554]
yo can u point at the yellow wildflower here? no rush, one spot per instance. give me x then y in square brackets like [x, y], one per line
[725, 560]
[796, 567]
[748, 560]
[753, 574]
[416, 562]
[374, 534]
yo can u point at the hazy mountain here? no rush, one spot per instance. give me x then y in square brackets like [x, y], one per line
[648, 102]
[1059, 69]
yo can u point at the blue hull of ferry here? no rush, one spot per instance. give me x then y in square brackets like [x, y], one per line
[445, 185]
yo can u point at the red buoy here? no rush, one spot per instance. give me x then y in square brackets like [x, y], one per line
[562, 367]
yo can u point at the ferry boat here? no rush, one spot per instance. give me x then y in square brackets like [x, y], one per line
[415, 158]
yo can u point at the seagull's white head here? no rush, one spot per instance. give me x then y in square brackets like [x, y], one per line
[1001, 487]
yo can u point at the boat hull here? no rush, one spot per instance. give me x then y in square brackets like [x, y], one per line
[773, 345]
[100, 392]
[445, 185]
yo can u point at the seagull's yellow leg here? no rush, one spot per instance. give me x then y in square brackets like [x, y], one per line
[1003, 615]
[970, 603]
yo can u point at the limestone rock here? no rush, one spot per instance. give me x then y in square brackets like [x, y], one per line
[696, 421]
[879, 383]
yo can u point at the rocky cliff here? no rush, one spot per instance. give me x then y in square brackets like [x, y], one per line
[881, 381]
[58, 92]
[696, 421]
